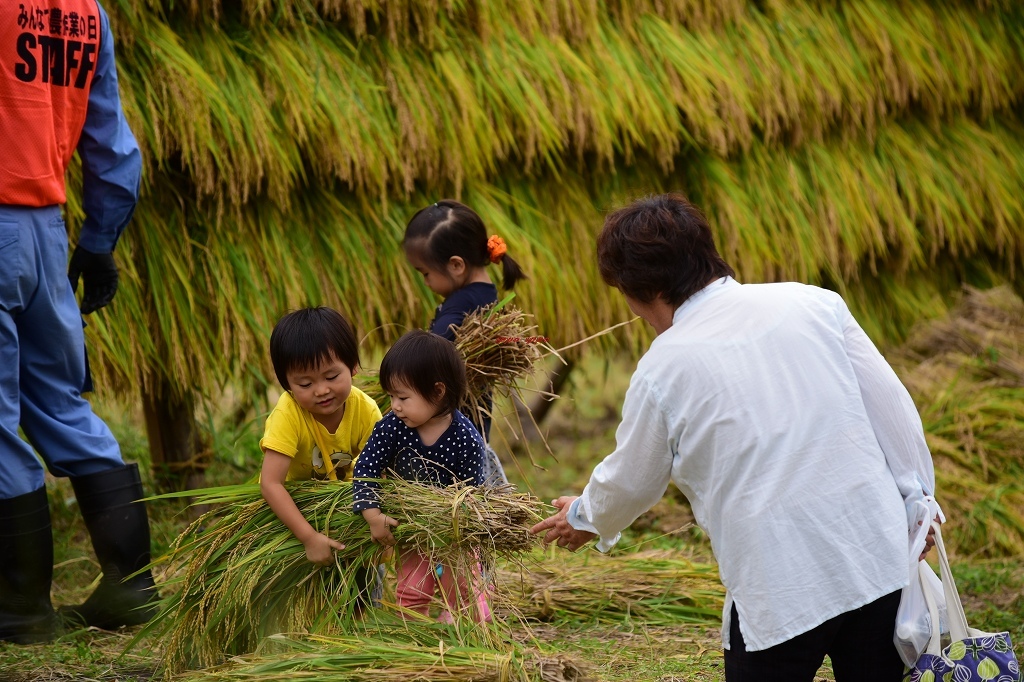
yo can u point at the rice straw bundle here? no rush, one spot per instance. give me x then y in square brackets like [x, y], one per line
[238, 574]
[490, 521]
[371, 659]
[500, 347]
[656, 587]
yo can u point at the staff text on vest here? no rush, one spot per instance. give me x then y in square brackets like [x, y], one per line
[60, 59]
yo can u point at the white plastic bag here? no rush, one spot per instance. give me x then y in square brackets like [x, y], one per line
[913, 623]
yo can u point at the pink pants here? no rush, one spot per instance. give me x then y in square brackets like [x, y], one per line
[418, 580]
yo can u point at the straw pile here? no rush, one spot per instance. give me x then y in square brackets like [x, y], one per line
[655, 587]
[405, 656]
[966, 373]
[237, 575]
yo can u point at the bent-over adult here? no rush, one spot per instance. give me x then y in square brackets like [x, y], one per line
[796, 444]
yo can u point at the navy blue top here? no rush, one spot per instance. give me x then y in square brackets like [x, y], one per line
[460, 303]
[456, 456]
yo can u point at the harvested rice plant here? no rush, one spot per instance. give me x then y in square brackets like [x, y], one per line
[875, 147]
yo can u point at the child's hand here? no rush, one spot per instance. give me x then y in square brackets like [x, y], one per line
[320, 549]
[380, 526]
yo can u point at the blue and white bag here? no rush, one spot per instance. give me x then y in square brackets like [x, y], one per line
[972, 655]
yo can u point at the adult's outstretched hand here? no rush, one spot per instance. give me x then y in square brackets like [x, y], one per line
[100, 274]
[559, 530]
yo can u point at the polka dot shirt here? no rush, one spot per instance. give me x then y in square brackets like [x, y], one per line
[456, 456]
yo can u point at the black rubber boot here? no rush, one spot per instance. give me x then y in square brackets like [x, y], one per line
[119, 528]
[26, 569]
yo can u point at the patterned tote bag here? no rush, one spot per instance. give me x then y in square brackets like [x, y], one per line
[972, 655]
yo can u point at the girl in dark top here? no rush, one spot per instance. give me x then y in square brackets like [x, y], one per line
[447, 243]
[424, 438]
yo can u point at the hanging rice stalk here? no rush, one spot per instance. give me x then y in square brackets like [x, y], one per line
[407, 20]
[247, 108]
[835, 212]
[653, 587]
[285, 152]
[237, 575]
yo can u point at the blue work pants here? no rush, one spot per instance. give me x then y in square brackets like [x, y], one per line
[42, 359]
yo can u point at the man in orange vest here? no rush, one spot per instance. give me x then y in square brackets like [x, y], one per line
[58, 93]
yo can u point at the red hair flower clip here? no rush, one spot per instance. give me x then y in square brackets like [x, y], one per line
[496, 248]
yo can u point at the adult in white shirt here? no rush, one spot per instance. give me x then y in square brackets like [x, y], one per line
[791, 436]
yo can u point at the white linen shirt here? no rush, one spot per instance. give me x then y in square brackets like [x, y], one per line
[792, 438]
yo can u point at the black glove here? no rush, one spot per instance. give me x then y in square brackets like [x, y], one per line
[100, 275]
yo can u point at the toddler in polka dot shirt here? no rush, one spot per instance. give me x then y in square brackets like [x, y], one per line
[424, 438]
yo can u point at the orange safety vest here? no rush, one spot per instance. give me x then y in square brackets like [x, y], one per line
[48, 52]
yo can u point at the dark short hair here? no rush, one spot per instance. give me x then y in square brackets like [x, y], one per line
[307, 337]
[420, 360]
[449, 228]
[659, 245]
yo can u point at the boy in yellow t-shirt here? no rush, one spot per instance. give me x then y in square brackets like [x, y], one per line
[297, 434]
[320, 424]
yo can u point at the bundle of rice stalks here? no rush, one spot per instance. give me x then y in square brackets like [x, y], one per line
[369, 658]
[448, 523]
[500, 347]
[237, 575]
[966, 373]
[656, 587]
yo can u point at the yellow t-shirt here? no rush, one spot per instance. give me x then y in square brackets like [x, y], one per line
[294, 432]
